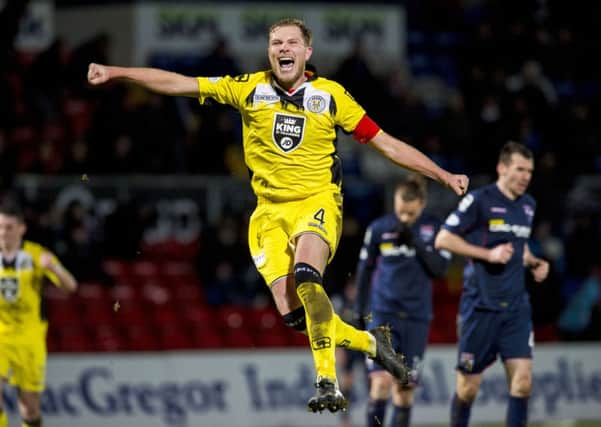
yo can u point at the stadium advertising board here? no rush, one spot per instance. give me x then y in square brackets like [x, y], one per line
[192, 28]
[270, 388]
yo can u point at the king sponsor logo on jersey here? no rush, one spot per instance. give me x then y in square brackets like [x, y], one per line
[288, 131]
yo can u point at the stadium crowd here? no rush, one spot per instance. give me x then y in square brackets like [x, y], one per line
[487, 73]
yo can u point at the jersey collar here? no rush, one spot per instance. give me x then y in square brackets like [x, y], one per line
[310, 74]
[11, 263]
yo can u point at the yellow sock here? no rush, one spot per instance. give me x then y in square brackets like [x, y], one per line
[36, 423]
[348, 336]
[3, 419]
[353, 338]
[321, 326]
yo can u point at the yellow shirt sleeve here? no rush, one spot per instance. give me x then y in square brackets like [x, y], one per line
[36, 250]
[348, 111]
[225, 90]
[50, 275]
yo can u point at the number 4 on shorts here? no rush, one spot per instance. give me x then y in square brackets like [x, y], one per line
[319, 216]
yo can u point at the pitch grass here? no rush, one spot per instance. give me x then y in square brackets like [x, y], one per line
[567, 423]
[539, 424]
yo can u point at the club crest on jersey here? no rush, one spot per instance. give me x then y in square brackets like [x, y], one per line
[316, 104]
[426, 231]
[466, 361]
[9, 288]
[288, 131]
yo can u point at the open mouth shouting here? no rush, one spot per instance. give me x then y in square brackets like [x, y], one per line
[288, 51]
[286, 64]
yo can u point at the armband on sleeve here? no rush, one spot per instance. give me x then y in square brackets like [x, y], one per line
[366, 129]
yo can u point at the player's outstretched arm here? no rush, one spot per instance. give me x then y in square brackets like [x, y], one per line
[456, 244]
[154, 79]
[407, 156]
[67, 281]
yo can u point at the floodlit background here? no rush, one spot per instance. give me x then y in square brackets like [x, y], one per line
[146, 198]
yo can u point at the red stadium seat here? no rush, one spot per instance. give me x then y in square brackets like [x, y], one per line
[107, 338]
[175, 272]
[156, 294]
[172, 249]
[53, 344]
[233, 317]
[64, 315]
[144, 272]
[78, 113]
[444, 324]
[140, 338]
[54, 295]
[238, 338]
[437, 335]
[297, 339]
[174, 337]
[74, 339]
[124, 292]
[117, 269]
[206, 339]
[131, 313]
[546, 333]
[99, 314]
[200, 317]
[93, 293]
[266, 320]
[165, 314]
[186, 293]
[275, 338]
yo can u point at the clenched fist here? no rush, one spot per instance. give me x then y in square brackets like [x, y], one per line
[46, 260]
[458, 183]
[97, 74]
[501, 254]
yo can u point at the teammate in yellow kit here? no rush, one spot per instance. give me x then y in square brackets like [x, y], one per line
[24, 267]
[290, 117]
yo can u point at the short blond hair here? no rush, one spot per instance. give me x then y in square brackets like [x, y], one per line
[294, 22]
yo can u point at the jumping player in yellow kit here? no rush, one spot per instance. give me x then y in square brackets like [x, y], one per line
[24, 267]
[290, 117]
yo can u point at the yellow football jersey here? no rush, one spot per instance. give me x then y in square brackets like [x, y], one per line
[289, 138]
[21, 283]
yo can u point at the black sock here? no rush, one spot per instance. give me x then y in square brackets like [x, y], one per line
[376, 410]
[460, 412]
[517, 411]
[401, 416]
